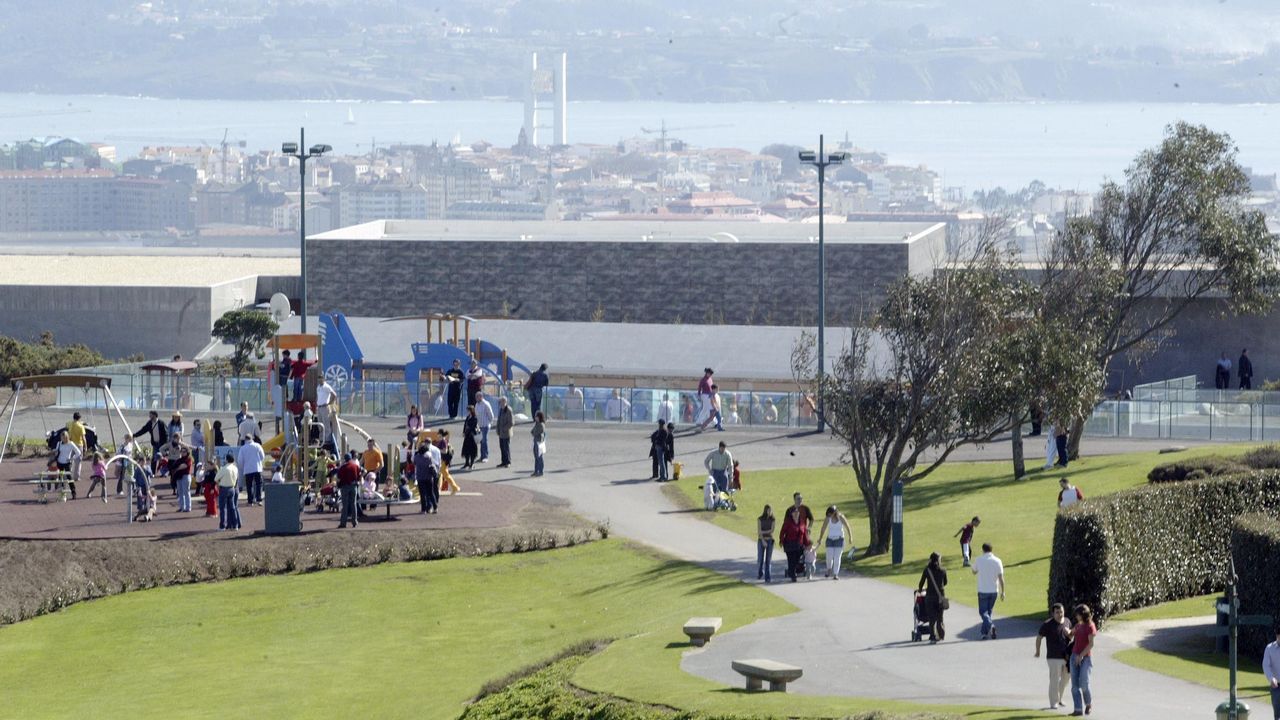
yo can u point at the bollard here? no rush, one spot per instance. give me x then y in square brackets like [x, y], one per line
[1224, 711]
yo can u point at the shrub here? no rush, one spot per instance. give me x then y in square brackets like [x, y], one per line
[1195, 469]
[1153, 543]
[1255, 547]
[1266, 457]
[18, 358]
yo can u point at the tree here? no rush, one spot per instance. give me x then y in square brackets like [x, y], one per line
[246, 331]
[918, 379]
[1176, 232]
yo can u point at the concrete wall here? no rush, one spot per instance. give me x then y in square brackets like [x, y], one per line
[1199, 335]
[737, 283]
[116, 321]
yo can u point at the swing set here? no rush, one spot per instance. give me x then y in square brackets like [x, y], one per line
[86, 383]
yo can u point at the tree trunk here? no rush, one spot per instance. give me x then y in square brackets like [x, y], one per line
[1073, 440]
[880, 522]
[1019, 461]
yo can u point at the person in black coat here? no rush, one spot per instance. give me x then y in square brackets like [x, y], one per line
[670, 456]
[470, 428]
[658, 451]
[934, 583]
[1245, 368]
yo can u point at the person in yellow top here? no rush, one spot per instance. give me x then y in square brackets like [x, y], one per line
[372, 458]
[75, 433]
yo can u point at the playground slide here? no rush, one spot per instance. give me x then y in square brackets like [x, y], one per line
[274, 443]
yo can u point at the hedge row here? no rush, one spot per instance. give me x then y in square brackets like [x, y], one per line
[1153, 543]
[1255, 546]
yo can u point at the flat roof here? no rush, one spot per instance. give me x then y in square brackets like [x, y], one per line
[137, 270]
[635, 231]
[744, 352]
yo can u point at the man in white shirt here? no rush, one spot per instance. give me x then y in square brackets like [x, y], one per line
[666, 409]
[250, 459]
[325, 397]
[248, 427]
[1069, 494]
[990, 572]
[484, 417]
[617, 407]
[1271, 668]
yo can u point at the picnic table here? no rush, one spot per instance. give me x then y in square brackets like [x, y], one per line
[51, 481]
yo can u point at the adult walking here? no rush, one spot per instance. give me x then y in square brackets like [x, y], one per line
[793, 535]
[704, 396]
[835, 528]
[77, 435]
[426, 472]
[1271, 668]
[469, 429]
[349, 475]
[1050, 446]
[453, 395]
[764, 544]
[1244, 366]
[228, 480]
[156, 432]
[933, 581]
[1055, 633]
[250, 459]
[536, 387]
[658, 452]
[719, 463]
[506, 422]
[539, 434]
[1082, 635]
[66, 454]
[990, 572]
[1222, 374]
[1060, 441]
[484, 416]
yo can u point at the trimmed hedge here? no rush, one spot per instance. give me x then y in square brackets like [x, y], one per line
[1197, 468]
[1255, 546]
[1153, 543]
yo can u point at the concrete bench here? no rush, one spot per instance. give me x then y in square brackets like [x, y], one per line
[776, 673]
[700, 629]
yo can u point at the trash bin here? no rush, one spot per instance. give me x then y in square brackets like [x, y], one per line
[282, 506]
[1224, 711]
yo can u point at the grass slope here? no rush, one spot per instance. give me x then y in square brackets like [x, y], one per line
[1017, 516]
[392, 641]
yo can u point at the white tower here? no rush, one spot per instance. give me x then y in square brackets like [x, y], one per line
[546, 99]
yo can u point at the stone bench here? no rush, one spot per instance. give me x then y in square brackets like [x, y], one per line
[700, 629]
[776, 673]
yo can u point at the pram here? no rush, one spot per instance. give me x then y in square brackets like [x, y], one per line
[919, 627]
[328, 501]
[714, 499]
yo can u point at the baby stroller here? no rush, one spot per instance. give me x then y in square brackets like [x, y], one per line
[724, 501]
[328, 499]
[920, 627]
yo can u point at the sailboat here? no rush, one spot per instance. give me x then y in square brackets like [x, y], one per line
[351, 117]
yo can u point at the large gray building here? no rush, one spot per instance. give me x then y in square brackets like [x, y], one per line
[699, 272]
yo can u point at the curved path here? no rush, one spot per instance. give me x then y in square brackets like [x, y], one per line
[851, 635]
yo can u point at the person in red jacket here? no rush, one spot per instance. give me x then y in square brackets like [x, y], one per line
[795, 531]
[298, 372]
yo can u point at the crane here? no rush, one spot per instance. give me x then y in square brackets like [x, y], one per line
[662, 131]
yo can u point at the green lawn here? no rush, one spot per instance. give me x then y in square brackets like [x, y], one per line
[390, 641]
[1017, 516]
[1198, 606]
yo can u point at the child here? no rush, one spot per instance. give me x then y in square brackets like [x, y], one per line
[218, 439]
[147, 506]
[810, 559]
[404, 491]
[736, 482]
[98, 476]
[966, 537]
[278, 475]
[209, 486]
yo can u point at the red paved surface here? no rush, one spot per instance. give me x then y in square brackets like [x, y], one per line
[22, 515]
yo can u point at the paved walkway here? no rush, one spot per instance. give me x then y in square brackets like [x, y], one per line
[851, 636]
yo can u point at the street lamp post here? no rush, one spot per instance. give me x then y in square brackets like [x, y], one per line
[297, 150]
[821, 160]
